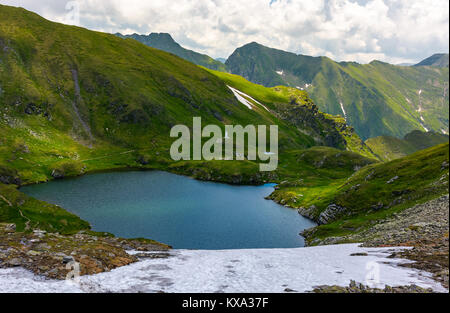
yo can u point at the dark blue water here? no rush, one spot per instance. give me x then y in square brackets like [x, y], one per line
[177, 210]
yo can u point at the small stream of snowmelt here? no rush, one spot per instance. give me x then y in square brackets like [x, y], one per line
[257, 270]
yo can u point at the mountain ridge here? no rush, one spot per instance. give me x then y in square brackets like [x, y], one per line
[165, 42]
[74, 101]
[65, 87]
[388, 148]
[408, 119]
[376, 98]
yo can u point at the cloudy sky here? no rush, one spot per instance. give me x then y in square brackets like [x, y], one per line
[395, 31]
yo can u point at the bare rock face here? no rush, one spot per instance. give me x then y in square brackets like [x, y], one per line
[330, 214]
[307, 212]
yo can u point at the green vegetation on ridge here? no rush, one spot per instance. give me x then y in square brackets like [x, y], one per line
[74, 101]
[165, 42]
[376, 99]
[296, 108]
[372, 193]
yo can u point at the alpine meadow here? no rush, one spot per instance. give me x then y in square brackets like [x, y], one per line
[129, 161]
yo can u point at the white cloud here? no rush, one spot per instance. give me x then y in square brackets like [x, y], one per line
[357, 30]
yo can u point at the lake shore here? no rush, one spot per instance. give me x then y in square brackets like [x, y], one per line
[111, 264]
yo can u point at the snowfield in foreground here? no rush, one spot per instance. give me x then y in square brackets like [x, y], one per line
[259, 270]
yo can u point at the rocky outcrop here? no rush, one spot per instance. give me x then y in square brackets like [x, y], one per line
[53, 255]
[308, 212]
[392, 180]
[217, 175]
[331, 213]
[424, 227]
[306, 116]
[9, 176]
[57, 174]
[143, 159]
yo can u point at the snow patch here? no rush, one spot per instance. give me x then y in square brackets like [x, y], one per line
[426, 129]
[306, 86]
[343, 111]
[256, 270]
[242, 98]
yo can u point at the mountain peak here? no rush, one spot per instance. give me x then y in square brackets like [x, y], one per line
[165, 42]
[437, 60]
[252, 44]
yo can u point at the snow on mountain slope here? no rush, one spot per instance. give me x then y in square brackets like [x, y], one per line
[242, 98]
[343, 110]
[258, 270]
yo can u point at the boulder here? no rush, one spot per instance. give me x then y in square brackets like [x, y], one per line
[330, 213]
[57, 174]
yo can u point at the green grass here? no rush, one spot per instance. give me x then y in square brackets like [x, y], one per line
[130, 97]
[298, 110]
[388, 148]
[421, 176]
[379, 98]
[320, 171]
[24, 211]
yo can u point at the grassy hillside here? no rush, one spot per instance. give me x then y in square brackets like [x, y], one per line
[373, 193]
[376, 98]
[165, 42]
[296, 108]
[74, 101]
[388, 148]
[73, 96]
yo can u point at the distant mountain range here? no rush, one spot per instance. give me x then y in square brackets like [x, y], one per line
[437, 60]
[376, 99]
[165, 42]
[68, 94]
